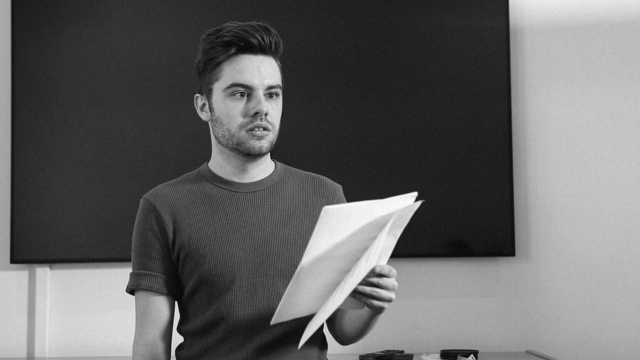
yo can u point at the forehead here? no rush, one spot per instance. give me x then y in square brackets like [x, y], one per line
[253, 70]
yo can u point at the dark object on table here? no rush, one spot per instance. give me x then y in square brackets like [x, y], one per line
[452, 354]
[404, 356]
[381, 355]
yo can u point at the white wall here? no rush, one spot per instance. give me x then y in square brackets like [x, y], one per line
[573, 290]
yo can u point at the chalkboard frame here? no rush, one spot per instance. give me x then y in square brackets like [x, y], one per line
[344, 115]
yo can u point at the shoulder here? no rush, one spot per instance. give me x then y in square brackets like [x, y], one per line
[176, 189]
[307, 182]
[301, 175]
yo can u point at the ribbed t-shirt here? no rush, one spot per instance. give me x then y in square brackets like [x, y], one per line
[226, 251]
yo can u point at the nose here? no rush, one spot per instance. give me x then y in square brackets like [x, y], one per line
[260, 107]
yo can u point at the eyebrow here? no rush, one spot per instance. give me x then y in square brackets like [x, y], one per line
[248, 87]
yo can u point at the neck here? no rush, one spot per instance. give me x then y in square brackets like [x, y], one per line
[238, 168]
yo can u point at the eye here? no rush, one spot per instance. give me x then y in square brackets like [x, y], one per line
[273, 95]
[241, 94]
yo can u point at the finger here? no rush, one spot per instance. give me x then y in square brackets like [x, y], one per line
[374, 300]
[377, 306]
[383, 276]
[375, 293]
[380, 282]
[383, 271]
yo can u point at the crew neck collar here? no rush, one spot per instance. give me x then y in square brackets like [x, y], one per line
[236, 186]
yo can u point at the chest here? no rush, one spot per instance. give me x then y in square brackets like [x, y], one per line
[249, 244]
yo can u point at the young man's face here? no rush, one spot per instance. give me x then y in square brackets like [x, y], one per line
[246, 105]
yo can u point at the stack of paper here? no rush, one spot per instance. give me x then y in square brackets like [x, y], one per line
[347, 242]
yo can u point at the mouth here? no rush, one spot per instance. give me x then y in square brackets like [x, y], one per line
[259, 129]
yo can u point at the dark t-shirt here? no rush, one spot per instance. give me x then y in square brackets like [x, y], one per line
[226, 251]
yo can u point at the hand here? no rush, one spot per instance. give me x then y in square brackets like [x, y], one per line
[378, 289]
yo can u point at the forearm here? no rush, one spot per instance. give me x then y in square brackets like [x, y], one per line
[154, 326]
[148, 350]
[349, 326]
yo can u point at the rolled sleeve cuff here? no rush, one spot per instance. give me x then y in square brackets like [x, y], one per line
[143, 280]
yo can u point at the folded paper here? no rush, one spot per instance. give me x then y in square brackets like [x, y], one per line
[347, 242]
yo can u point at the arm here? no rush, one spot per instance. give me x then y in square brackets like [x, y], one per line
[377, 291]
[154, 326]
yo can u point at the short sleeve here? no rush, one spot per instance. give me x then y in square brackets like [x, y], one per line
[153, 267]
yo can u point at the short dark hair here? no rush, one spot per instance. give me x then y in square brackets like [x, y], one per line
[233, 38]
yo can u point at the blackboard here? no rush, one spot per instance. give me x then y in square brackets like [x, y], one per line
[383, 97]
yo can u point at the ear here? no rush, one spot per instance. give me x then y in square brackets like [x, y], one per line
[202, 107]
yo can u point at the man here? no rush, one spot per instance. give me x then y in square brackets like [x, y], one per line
[224, 240]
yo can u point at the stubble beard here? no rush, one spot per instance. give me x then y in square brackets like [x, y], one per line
[233, 141]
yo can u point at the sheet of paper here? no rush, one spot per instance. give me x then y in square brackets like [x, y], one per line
[343, 233]
[378, 253]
